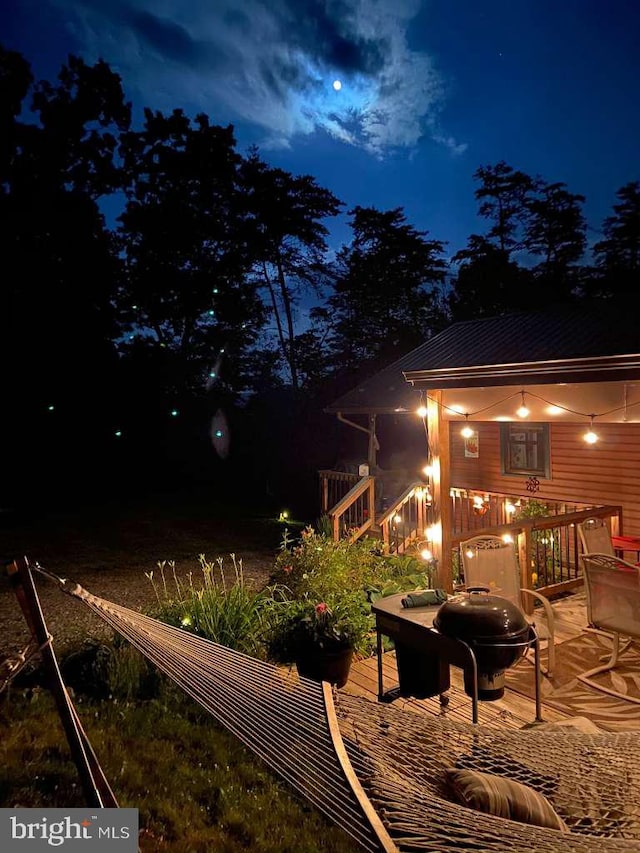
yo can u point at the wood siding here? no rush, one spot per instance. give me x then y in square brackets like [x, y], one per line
[605, 473]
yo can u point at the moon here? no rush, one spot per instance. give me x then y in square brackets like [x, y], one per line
[337, 85]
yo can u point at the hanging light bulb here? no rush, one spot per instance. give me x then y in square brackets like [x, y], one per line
[590, 436]
[421, 411]
[428, 470]
[523, 411]
[466, 430]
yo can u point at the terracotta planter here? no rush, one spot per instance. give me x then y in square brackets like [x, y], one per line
[322, 665]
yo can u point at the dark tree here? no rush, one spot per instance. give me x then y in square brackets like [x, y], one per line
[489, 283]
[618, 255]
[386, 297]
[530, 219]
[556, 233]
[504, 195]
[60, 266]
[289, 240]
[185, 297]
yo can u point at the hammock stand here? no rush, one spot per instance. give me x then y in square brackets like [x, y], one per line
[378, 772]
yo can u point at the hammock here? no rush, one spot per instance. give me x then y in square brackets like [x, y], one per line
[379, 772]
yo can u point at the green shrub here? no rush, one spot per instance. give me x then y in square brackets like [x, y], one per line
[113, 670]
[347, 577]
[318, 566]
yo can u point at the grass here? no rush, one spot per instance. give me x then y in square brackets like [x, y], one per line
[197, 788]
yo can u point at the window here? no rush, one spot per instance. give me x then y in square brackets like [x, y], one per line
[524, 449]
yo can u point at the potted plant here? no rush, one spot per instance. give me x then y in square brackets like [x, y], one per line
[321, 636]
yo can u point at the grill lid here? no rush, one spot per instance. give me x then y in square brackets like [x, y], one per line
[481, 618]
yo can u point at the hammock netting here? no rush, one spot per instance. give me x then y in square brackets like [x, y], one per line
[399, 757]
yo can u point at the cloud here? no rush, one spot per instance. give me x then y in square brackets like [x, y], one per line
[272, 63]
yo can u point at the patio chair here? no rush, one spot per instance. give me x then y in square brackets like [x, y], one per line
[491, 562]
[595, 538]
[613, 608]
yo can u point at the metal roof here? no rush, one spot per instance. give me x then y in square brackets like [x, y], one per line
[580, 344]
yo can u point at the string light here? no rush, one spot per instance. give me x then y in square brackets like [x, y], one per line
[428, 470]
[590, 436]
[466, 430]
[523, 411]
[433, 533]
[426, 554]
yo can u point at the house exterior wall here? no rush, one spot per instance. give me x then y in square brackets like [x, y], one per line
[605, 473]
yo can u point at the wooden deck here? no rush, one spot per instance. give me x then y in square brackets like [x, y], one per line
[512, 711]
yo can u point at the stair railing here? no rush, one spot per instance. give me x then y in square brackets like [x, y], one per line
[355, 513]
[405, 523]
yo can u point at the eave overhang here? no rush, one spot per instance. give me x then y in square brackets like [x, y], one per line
[592, 369]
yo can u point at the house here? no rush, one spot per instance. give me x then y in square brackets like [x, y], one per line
[549, 403]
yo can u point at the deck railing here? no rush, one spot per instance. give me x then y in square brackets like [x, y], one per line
[544, 531]
[548, 546]
[334, 485]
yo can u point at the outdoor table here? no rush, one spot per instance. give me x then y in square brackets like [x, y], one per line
[626, 543]
[411, 628]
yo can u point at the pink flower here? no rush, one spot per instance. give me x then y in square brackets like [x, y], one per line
[287, 569]
[321, 608]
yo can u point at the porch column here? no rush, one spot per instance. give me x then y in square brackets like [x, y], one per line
[438, 438]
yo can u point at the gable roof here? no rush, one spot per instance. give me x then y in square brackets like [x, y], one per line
[587, 344]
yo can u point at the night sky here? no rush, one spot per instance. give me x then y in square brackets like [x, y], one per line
[430, 89]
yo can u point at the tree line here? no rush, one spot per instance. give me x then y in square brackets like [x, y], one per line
[151, 272]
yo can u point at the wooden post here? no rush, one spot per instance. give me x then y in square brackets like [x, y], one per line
[420, 514]
[336, 528]
[616, 523]
[372, 500]
[439, 458]
[325, 493]
[372, 454]
[524, 558]
[94, 784]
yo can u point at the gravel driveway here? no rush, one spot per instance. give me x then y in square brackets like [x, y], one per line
[109, 549]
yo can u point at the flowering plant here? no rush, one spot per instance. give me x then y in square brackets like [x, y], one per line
[338, 622]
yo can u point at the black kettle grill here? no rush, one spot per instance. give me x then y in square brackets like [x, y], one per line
[494, 628]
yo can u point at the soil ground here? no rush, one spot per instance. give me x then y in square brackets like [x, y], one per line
[108, 548]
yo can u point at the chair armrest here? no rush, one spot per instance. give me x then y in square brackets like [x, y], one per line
[548, 610]
[546, 604]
